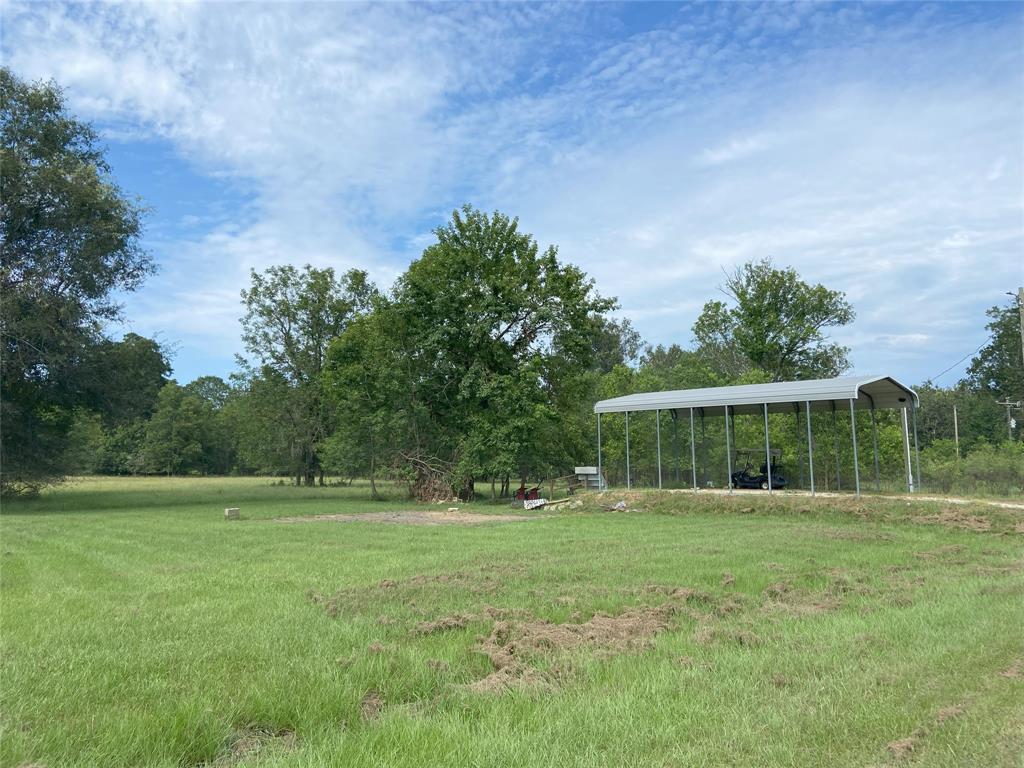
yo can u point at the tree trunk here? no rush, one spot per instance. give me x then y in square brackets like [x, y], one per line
[468, 492]
[321, 479]
[373, 485]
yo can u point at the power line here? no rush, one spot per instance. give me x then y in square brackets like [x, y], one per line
[954, 365]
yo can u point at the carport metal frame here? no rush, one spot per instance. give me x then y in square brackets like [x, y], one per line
[864, 393]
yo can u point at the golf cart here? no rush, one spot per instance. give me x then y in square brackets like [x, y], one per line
[746, 478]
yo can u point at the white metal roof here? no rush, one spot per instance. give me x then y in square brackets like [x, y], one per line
[865, 391]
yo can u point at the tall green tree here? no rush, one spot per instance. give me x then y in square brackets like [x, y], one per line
[775, 322]
[69, 242]
[998, 369]
[123, 378]
[176, 433]
[480, 337]
[291, 317]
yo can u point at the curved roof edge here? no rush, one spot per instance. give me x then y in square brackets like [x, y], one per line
[822, 394]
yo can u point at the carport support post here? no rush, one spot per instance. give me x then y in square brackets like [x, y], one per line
[835, 436]
[810, 446]
[906, 452]
[728, 448]
[853, 434]
[767, 448]
[600, 481]
[657, 432]
[693, 452]
[874, 446]
[675, 440]
[917, 453]
[800, 453]
[629, 482]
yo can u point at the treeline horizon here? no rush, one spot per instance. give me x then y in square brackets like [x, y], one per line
[480, 365]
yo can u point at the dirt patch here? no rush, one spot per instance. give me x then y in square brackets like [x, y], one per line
[252, 740]
[683, 594]
[444, 624]
[777, 590]
[501, 680]
[948, 713]
[411, 518]
[802, 602]
[371, 705]
[514, 647]
[728, 579]
[952, 518]
[438, 665]
[782, 597]
[1014, 671]
[706, 635]
[780, 680]
[901, 749]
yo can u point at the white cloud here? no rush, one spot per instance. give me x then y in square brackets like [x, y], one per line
[877, 154]
[734, 149]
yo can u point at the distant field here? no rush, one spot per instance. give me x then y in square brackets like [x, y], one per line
[141, 629]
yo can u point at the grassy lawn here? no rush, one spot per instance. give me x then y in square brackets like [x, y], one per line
[141, 629]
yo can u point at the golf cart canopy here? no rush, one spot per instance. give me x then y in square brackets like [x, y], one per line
[866, 392]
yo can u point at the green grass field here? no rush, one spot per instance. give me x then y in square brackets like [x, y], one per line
[139, 628]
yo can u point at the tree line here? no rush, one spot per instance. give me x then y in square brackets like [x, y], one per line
[473, 373]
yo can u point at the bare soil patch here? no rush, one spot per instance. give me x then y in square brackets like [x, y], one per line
[513, 646]
[948, 713]
[903, 748]
[252, 740]
[371, 705]
[444, 624]
[416, 517]
[1014, 671]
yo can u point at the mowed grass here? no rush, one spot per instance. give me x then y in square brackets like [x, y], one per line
[141, 629]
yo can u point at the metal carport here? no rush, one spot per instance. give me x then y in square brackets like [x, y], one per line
[853, 392]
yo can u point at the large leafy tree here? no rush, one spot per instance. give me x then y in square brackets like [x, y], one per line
[291, 317]
[125, 377]
[69, 241]
[176, 433]
[998, 369]
[485, 329]
[775, 322]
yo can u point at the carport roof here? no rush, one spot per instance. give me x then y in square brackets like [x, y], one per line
[781, 396]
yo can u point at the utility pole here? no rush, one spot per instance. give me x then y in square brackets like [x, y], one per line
[1020, 312]
[956, 434]
[1010, 421]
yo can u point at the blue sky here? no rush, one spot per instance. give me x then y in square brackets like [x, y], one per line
[876, 148]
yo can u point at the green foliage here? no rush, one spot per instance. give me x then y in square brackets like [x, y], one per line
[175, 435]
[988, 469]
[998, 368]
[776, 323]
[470, 356]
[68, 244]
[291, 317]
[85, 445]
